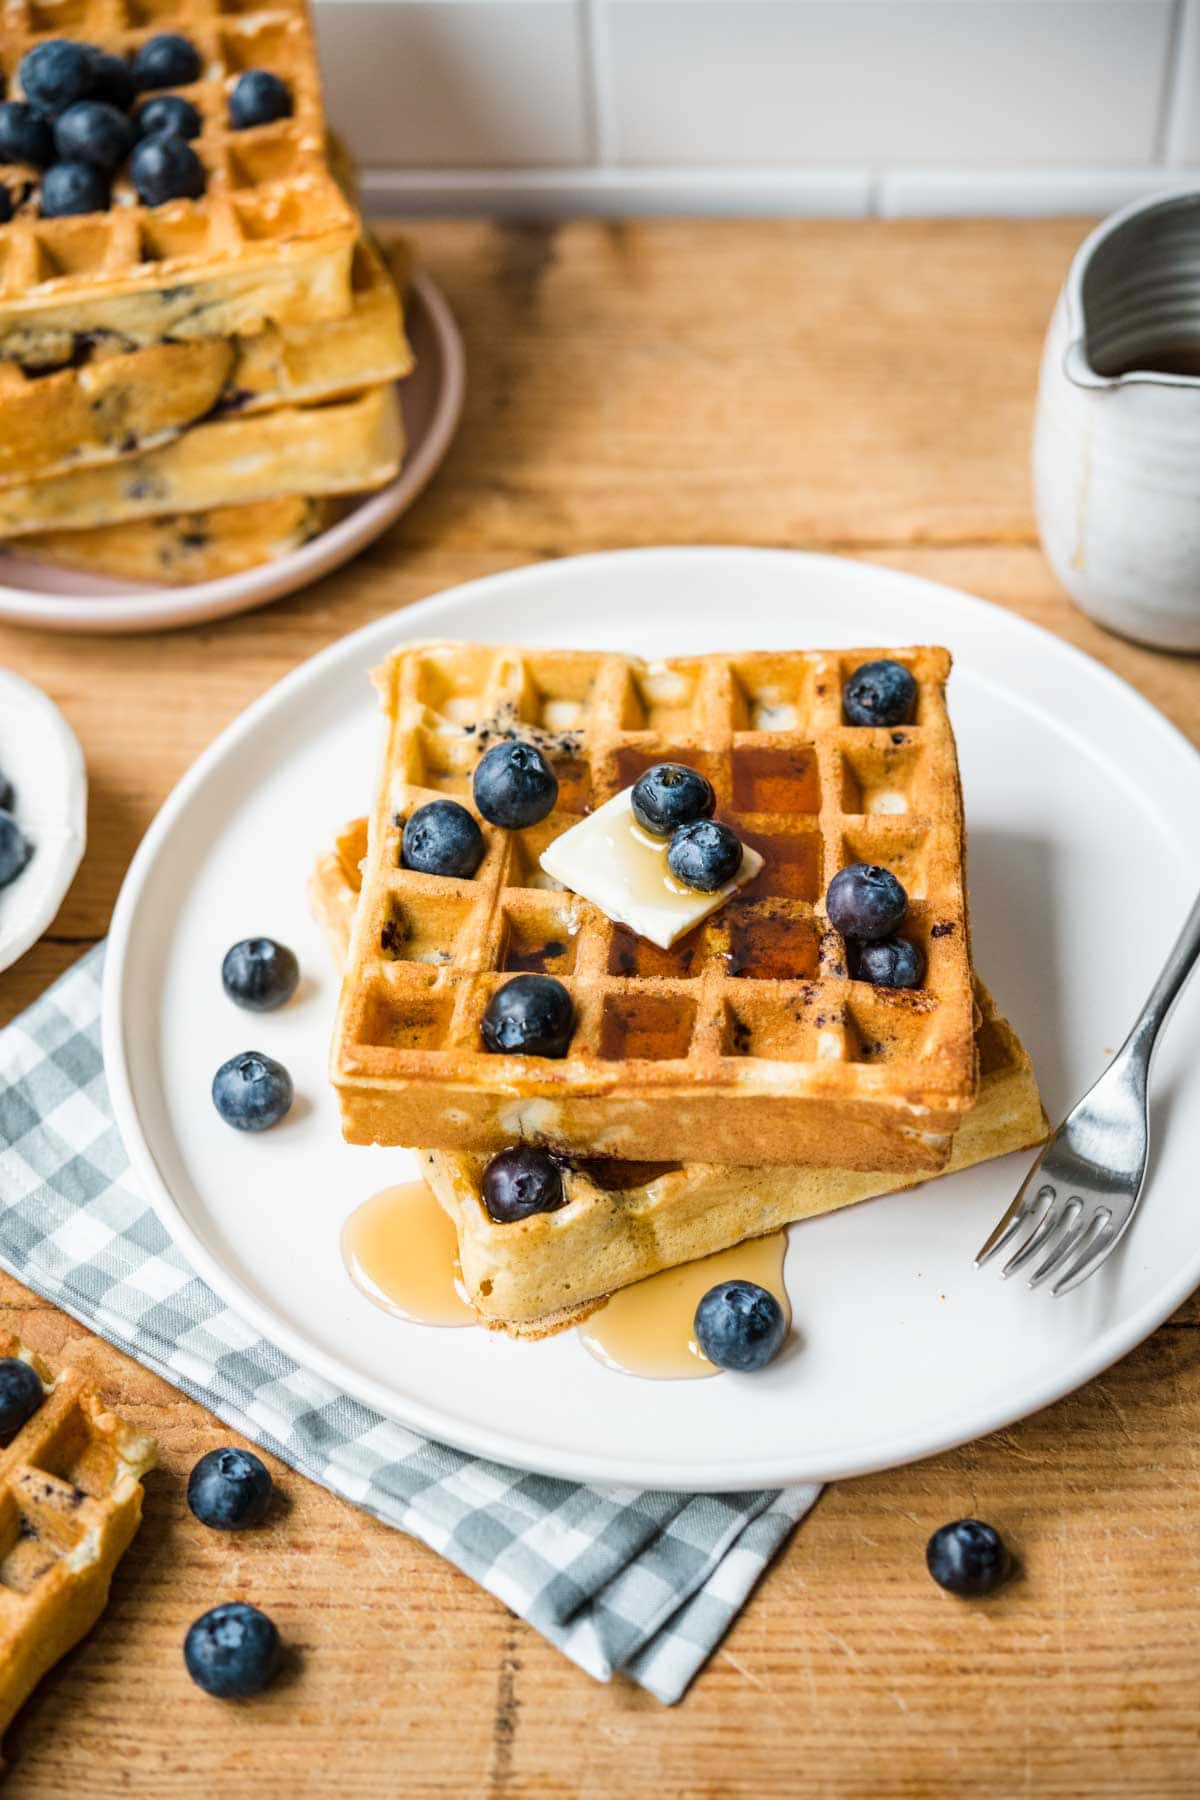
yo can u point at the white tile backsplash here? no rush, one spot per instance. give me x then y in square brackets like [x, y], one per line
[457, 83]
[950, 82]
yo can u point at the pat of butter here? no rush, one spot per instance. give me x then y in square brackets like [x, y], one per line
[620, 868]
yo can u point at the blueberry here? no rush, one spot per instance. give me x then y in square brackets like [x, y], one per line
[880, 693]
[74, 187]
[168, 115]
[166, 168]
[56, 74]
[20, 1394]
[166, 60]
[8, 793]
[967, 1557]
[229, 1490]
[522, 1181]
[442, 839]
[25, 136]
[515, 786]
[258, 98]
[740, 1325]
[260, 974]
[232, 1651]
[892, 962]
[6, 205]
[866, 902]
[670, 795]
[531, 1015]
[252, 1092]
[15, 849]
[92, 131]
[704, 855]
[112, 79]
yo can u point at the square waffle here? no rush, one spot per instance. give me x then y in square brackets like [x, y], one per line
[115, 403]
[747, 1037]
[624, 1221]
[271, 238]
[184, 547]
[72, 1499]
[343, 447]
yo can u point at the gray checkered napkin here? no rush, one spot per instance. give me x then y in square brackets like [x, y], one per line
[620, 1579]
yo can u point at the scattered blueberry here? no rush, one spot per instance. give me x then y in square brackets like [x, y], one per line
[74, 187]
[232, 1651]
[6, 206]
[252, 1092]
[55, 74]
[967, 1557]
[531, 1015]
[522, 1181]
[740, 1325]
[258, 98]
[164, 61]
[25, 136]
[892, 962]
[112, 79]
[880, 693]
[15, 849]
[166, 168]
[20, 1394]
[514, 786]
[260, 974]
[230, 1490]
[442, 839]
[866, 902]
[92, 131]
[168, 115]
[670, 795]
[704, 855]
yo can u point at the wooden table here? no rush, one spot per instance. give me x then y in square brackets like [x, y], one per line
[858, 387]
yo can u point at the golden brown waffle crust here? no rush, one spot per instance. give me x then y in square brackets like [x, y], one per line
[787, 1060]
[71, 1478]
[186, 547]
[271, 239]
[623, 1222]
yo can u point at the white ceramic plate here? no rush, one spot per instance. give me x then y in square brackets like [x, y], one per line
[1081, 872]
[40, 755]
[61, 599]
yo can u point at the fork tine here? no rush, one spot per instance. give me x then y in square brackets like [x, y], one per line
[1101, 1238]
[1073, 1227]
[1008, 1226]
[1038, 1238]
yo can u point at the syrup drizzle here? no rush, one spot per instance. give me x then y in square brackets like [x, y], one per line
[400, 1250]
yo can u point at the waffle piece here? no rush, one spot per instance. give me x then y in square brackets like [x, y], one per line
[71, 1482]
[344, 447]
[116, 403]
[271, 239]
[188, 547]
[624, 1220]
[747, 1037]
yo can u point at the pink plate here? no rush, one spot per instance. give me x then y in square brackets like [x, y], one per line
[57, 599]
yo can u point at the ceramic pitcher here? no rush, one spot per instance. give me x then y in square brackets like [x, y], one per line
[1116, 457]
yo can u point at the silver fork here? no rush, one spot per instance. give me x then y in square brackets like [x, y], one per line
[1080, 1196]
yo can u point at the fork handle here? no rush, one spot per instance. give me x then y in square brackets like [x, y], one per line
[1168, 987]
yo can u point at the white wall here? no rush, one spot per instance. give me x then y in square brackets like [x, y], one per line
[790, 106]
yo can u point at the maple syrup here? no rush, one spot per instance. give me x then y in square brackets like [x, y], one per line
[400, 1250]
[647, 1329]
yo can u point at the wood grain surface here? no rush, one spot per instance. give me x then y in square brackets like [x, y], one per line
[861, 387]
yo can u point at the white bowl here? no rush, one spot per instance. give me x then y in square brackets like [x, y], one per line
[40, 755]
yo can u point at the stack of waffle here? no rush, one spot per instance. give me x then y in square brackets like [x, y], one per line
[186, 389]
[749, 1044]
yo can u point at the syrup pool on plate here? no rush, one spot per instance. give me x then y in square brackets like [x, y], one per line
[400, 1250]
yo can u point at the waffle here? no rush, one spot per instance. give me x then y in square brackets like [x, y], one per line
[624, 1221]
[747, 1037]
[116, 403]
[271, 239]
[344, 447]
[188, 547]
[71, 1481]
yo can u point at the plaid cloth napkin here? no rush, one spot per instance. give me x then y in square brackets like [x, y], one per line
[620, 1579]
